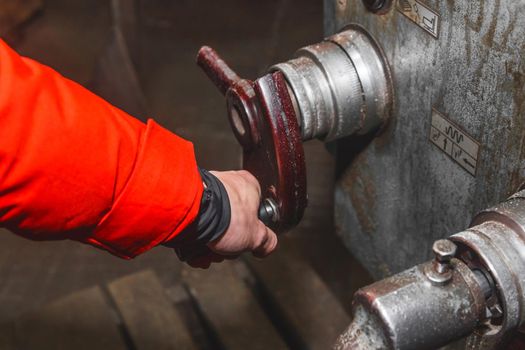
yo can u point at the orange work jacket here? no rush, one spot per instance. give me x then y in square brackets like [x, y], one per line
[72, 166]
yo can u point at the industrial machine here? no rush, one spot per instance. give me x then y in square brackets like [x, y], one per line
[424, 104]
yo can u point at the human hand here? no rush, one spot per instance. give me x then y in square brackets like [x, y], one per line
[245, 232]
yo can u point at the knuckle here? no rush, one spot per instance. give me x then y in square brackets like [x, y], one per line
[274, 243]
[257, 242]
[261, 236]
[248, 177]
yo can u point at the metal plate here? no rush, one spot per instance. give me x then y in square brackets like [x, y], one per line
[454, 142]
[421, 14]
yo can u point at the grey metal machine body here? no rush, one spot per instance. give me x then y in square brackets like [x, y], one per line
[425, 103]
[454, 145]
[400, 190]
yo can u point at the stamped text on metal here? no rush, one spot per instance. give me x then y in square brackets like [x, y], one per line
[456, 143]
[420, 14]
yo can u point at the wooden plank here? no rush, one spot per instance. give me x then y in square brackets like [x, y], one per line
[180, 296]
[149, 316]
[231, 310]
[301, 299]
[82, 320]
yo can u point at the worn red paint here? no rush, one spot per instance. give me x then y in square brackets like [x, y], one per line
[272, 144]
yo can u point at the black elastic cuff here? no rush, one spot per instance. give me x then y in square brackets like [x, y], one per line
[212, 221]
[215, 211]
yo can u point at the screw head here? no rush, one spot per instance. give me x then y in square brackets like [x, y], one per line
[444, 250]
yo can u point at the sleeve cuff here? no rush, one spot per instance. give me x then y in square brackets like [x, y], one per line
[161, 197]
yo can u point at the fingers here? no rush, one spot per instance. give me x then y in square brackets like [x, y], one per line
[266, 244]
[205, 261]
[246, 233]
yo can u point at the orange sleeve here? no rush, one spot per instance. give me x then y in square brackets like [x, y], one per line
[72, 166]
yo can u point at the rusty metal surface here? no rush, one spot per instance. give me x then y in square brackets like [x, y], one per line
[398, 193]
[410, 312]
[280, 159]
[263, 119]
[427, 306]
[340, 87]
[497, 244]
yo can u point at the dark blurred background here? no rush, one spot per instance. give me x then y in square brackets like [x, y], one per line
[140, 56]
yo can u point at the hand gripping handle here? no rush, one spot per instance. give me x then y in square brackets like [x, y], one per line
[264, 121]
[224, 78]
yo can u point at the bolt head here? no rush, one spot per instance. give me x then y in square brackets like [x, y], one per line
[444, 250]
[268, 212]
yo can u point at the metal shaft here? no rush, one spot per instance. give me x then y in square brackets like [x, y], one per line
[341, 86]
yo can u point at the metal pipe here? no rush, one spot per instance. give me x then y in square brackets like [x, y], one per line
[409, 311]
[474, 288]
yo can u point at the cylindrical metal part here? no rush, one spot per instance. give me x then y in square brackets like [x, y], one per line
[341, 86]
[483, 298]
[364, 333]
[496, 243]
[407, 311]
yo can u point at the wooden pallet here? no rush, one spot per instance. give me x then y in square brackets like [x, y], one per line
[279, 303]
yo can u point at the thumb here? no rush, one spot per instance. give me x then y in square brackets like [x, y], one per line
[268, 243]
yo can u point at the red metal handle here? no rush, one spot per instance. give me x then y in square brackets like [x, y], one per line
[263, 119]
[216, 69]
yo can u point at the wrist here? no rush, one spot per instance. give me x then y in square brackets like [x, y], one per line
[210, 224]
[215, 211]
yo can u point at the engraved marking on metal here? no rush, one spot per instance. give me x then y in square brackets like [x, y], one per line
[422, 15]
[455, 142]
